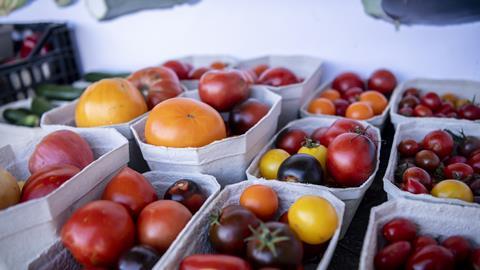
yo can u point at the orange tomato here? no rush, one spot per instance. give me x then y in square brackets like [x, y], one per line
[331, 94]
[184, 122]
[321, 106]
[261, 200]
[108, 102]
[377, 101]
[259, 69]
[218, 65]
[359, 110]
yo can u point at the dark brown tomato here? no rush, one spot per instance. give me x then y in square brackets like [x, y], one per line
[291, 140]
[408, 148]
[186, 192]
[427, 160]
[246, 115]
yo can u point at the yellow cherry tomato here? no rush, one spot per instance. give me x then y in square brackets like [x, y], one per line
[271, 161]
[460, 102]
[313, 219]
[315, 150]
[453, 189]
[450, 97]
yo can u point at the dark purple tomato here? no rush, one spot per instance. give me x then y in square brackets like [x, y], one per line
[474, 162]
[455, 159]
[138, 258]
[187, 193]
[469, 111]
[411, 92]
[383, 81]
[468, 145]
[301, 168]
[460, 247]
[341, 106]
[353, 94]
[423, 241]
[406, 111]
[408, 148]
[409, 102]
[427, 160]
[475, 186]
[422, 111]
[431, 100]
[399, 229]
[431, 257]
[458, 171]
[475, 259]
[291, 140]
[246, 115]
[393, 256]
[414, 186]
[418, 174]
[440, 142]
[347, 80]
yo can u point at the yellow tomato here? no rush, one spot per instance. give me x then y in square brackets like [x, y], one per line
[453, 189]
[315, 150]
[313, 219]
[271, 161]
[449, 97]
[460, 102]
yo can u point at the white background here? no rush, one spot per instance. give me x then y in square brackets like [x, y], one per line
[337, 31]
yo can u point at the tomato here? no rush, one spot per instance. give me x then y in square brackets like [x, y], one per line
[259, 69]
[411, 92]
[9, 189]
[431, 100]
[353, 94]
[338, 127]
[475, 259]
[228, 232]
[446, 107]
[197, 73]
[274, 244]
[130, 189]
[180, 68]
[469, 111]
[283, 218]
[458, 171]
[162, 90]
[301, 168]
[261, 200]
[460, 247]
[451, 97]
[414, 186]
[408, 102]
[98, 233]
[278, 76]
[359, 110]
[422, 111]
[455, 159]
[474, 162]
[393, 256]
[47, 180]
[247, 75]
[316, 150]
[246, 115]
[271, 161]
[351, 159]
[218, 65]
[408, 148]
[184, 122]
[187, 193]
[440, 142]
[144, 78]
[330, 94]
[406, 111]
[318, 133]
[399, 229]
[223, 89]
[321, 106]
[453, 189]
[383, 81]
[313, 219]
[138, 257]
[468, 145]
[60, 147]
[290, 140]
[213, 262]
[418, 174]
[423, 241]
[427, 160]
[377, 101]
[341, 106]
[431, 257]
[155, 227]
[109, 102]
[347, 80]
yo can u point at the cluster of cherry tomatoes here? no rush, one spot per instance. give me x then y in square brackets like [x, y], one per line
[444, 164]
[129, 228]
[342, 155]
[248, 234]
[347, 96]
[432, 105]
[406, 249]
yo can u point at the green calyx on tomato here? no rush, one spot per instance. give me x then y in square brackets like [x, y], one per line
[266, 238]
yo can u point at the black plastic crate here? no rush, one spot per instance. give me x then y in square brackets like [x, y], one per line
[59, 64]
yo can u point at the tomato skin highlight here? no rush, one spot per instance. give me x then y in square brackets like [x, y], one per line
[214, 262]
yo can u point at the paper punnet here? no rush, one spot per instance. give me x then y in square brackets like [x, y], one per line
[293, 96]
[195, 240]
[461, 88]
[352, 196]
[39, 219]
[436, 220]
[417, 131]
[57, 257]
[225, 159]
[377, 120]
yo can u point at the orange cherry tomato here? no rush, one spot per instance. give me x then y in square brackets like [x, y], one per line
[331, 94]
[261, 200]
[359, 110]
[321, 106]
[377, 101]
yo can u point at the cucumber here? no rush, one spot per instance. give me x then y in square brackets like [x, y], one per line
[40, 105]
[58, 92]
[97, 76]
[31, 120]
[21, 116]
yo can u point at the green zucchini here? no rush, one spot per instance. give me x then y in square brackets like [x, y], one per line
[97, 76]
[58, 92]
[40, 105]
[21, 116]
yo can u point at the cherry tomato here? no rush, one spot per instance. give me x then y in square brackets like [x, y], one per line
[278, 76]
[383, 81]
[98, 233]
[330, 94]
[316, 150]
[431, 100]
[468, 145]
[130, 189]
[180, 68]
[423, 241]
[458, 171]
[399, 229]
[321, 106]
[418, 174]
[475, 186]
[409, 102]
[214, 262]
[301, 168]
[271, 161]
[475, 259]
[353, 94]
[455, 159]
[446, 108]
[408, 148]
[138, 257]
[414, 186]
[347, 80]
[186, 192]
[393, 256]
[341, 106]
[411, 92]
[460, 247]
[155, 227]
[377, 101]
[469, 111]
[453, 189]
[196, 74]
[431, 257]
[261, 200]
[246, 115]
[283, 218]
[223, 89]
[291, 140]
[259, 69]
[359, 110]
[474, 162]
[427, 160]
[406, 111]
[422, 111]
[440, 142]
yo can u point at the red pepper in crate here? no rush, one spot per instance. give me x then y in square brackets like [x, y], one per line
[29, 43]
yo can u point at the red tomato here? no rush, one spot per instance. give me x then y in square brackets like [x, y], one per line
[155, 227]
[418, 174]
[414, 186]
[339, 127]
[98, 233]
[291, 140]
[458, 171]
[399, 229]
[130, 189]
[341, 106]
[214, 262]
[409, 102]
[431, 100]
[223, 89]
[196, 74]
[431, 257]
[351, 159]
[278, 76]
[423, 241]
[469, 111]
[422, 111]
[474, 162]
[440, 142]
[460, 247]
[393, 256]
[180, 68]
[383, 81]
[408, 148]
[318, 133]
[455, 159]
[46, 180]
[406, 111]
[162, 90]
[352, 95]
[347, 80]
[475, 258]
[246, 115]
